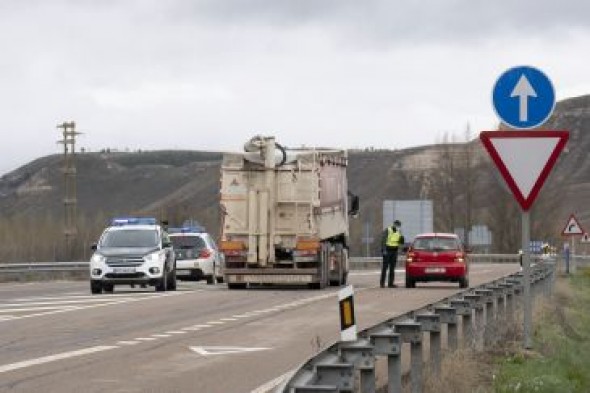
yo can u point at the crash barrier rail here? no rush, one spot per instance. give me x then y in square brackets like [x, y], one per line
[43, 267]
[472, 319]
[356, 263]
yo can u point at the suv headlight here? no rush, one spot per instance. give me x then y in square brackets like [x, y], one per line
[157, 256]
[97, 258]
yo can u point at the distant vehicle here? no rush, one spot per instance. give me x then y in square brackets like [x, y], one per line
[133, 251]
[197, 256]
[437, 257]
[285, 215]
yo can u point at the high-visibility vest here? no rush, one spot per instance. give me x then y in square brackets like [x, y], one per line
[393, 238]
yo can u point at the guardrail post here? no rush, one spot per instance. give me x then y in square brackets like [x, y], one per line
[411, 332]
[488, 300]
[360, 354]
[389, 344]
[476, 301]
[448, 316]
[336, 374]
[464, 309]
[430, 323]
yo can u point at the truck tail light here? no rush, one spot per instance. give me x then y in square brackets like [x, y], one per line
[308, 245]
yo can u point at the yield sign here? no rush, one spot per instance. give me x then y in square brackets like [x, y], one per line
[209, 351]
[524, 159]
[572, 227]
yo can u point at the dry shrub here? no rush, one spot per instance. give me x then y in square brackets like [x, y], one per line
[462, 372]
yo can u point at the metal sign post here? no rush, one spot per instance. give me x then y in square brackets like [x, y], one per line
[526, 269]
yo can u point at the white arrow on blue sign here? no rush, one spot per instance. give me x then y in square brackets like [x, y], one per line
[523, 97]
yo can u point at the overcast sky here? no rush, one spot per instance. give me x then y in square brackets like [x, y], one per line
[207, 75]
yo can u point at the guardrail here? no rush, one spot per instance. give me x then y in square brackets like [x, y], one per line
[481, 312]
[43, 267]
[356, 263]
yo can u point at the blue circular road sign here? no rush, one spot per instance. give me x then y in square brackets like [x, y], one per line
[523, 97]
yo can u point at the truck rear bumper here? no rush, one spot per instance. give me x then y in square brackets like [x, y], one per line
[271, 276]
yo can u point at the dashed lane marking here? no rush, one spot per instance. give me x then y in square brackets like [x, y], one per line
[176, 332]
[146, 339]
[53, 358]
[128, 342]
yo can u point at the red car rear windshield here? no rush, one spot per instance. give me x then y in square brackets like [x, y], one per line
[436, 244]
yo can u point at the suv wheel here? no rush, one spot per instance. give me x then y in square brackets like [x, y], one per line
[108, 288]
[95, 287]
[172, 282]
[162, 286]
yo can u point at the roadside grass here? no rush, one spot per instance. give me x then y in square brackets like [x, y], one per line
[561, 360]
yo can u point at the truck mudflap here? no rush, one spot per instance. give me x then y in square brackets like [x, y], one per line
[271, 276]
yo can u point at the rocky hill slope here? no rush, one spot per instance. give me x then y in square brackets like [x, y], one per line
[178, 185]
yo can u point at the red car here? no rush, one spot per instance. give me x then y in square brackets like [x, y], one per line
[437, 257]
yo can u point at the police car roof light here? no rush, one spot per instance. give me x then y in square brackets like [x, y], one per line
[120, 221]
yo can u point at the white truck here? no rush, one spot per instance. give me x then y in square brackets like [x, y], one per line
[285, 215]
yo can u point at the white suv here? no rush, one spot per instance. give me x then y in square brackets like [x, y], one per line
[133, 251]
[197, 256]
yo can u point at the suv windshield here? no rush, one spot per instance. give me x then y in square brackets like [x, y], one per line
[131, 238]
[187, 247]
[436, 244]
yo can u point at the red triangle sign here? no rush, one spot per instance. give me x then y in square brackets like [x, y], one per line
[572, 227]
[524, 159]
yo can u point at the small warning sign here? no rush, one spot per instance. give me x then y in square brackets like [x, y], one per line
[572, 227]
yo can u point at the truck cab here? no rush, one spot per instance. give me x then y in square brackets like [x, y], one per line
[133, 251]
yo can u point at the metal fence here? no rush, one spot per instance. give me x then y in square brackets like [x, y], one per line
[472, 318]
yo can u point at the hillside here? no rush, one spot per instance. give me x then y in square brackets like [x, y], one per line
[184, 184]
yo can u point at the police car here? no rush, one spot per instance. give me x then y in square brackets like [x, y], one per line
[133, 251]
[197, 256]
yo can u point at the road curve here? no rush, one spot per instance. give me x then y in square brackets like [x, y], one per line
[55, 337]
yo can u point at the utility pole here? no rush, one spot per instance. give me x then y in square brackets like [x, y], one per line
[70, 193]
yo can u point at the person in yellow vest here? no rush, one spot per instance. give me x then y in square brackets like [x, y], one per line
[391, 240]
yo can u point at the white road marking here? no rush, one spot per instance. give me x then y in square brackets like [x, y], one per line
[6, 317]
[201, 326]
[161, 335]
[228, 319]
[37, 309]
[215, 323]
[191, 329]
[53, 358]
[208, 351]
[270, 385]
[241, 316]
[175, 332]
[128, 342]
[104, 297]
[72, 308]
[64, 302]
[146, 339]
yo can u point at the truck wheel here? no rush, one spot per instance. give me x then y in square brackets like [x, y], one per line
[209, 279]
[95, 287]
[236, 286]
[162, 286]
[108, 288]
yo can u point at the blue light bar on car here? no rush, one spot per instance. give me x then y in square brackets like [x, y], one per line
[191, 229]
[120, 221]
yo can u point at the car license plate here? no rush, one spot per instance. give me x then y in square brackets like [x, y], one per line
[183, 271]
[124, 270]
[437, 270]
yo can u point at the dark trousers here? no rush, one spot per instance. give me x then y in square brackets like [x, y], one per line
[389, 262]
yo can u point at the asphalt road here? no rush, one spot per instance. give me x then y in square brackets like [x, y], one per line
[56, 337]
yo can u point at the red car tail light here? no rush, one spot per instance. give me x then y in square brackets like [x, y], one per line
[205, 253]
[460, 257]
